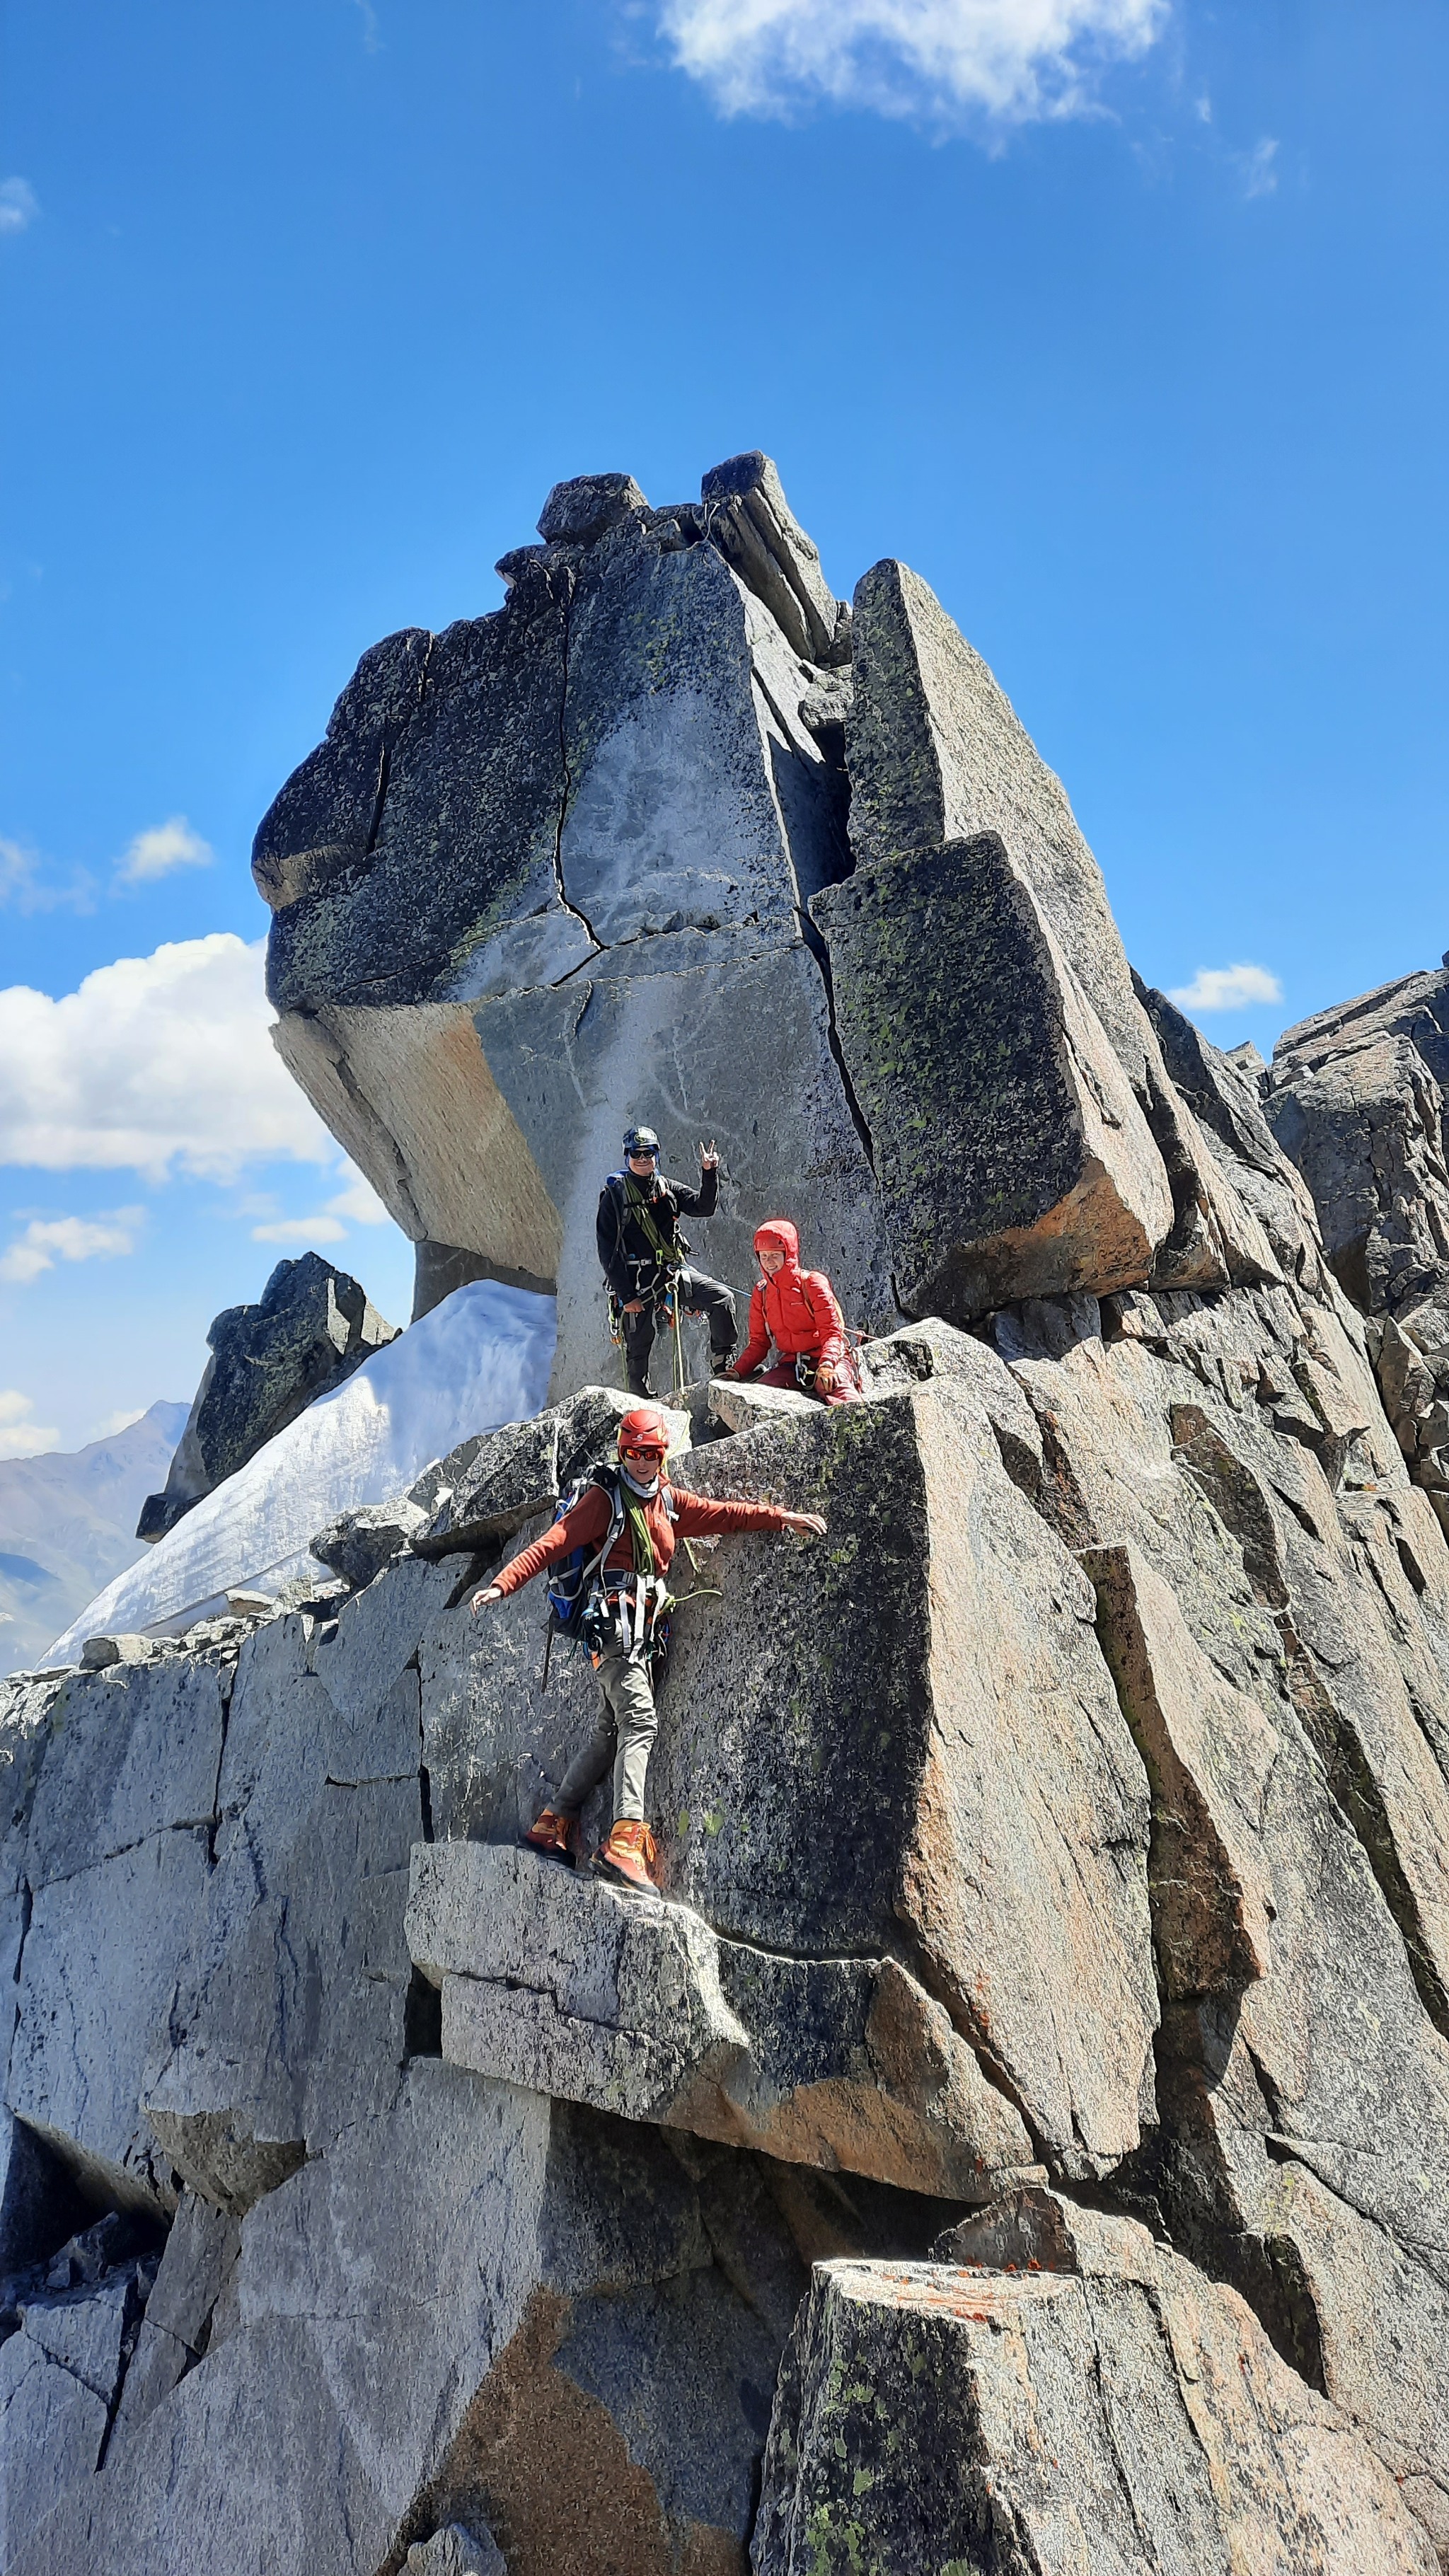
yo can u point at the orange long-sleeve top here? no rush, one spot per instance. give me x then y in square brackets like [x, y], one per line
[585, 1525]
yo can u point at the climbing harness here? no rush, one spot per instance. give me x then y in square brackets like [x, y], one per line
[657, 1289]
[807, 1364]
[580, 1594]
[629, 1616]
[664, 1306]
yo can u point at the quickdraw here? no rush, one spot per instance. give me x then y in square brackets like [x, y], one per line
[629, 1616]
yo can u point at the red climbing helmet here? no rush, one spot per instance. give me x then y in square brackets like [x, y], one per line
[644, 1428]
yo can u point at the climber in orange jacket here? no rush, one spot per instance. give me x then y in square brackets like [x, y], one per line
[625, 1524]
[799, 1312]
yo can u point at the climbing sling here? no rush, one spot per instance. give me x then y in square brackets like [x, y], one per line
[670, 1254]
[661, 1294]
[631, 1613]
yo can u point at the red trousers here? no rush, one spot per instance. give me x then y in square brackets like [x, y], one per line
[784, 1375]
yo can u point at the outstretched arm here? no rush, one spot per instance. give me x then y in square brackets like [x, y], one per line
[582, 1527]
[697, 1516]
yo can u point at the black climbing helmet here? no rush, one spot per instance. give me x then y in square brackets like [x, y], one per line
[642, 1140]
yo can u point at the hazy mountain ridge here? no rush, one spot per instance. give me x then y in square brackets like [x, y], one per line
[68, 1524]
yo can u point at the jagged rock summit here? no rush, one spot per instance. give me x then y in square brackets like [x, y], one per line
[675, 834]
[1357, 1096]
[310, 1328]
[1015, 2137]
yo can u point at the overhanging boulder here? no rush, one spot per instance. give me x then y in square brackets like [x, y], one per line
[617, 814]
[579, 1990]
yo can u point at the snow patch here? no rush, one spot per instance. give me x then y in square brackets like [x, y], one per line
[480, 1359]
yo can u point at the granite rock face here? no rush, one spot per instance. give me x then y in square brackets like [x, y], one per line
[689, 830]
[1109, 2410]
[1041, 1175]
[1015, 2134]
[620, 815]
[398, 2300]
[310, 1328]
[1357, 1097]
[1234, 1450]
[858, 1700]
[1071, 1817]
[937, 755]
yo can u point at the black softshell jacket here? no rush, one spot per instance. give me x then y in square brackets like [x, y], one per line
[625, 1251]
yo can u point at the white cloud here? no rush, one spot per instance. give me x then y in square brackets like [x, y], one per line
[20, 1437]
[1260, 171]
[19, 205]
[941, 60]
[301, 1229]
[117, 1422]
[156, 1063]
[24, 883]
[359, 1201]
[355, 1204]
[47, 1240]
[1226, 988]
[164, 847]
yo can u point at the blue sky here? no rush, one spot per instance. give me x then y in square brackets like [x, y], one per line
[1122, 321]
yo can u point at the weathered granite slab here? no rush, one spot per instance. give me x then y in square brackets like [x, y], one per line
[561, 1983]
[1123, 2414]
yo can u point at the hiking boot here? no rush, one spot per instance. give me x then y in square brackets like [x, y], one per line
[628, 1857]
[557, 1837]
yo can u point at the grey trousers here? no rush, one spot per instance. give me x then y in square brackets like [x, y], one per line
[624, 1736]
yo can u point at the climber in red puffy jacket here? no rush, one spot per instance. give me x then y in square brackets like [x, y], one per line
[799, 1312]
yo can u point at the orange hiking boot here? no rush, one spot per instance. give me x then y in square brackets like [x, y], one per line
[557, 1837]
[628, 1856]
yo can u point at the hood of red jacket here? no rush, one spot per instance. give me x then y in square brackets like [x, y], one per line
[780, 1233]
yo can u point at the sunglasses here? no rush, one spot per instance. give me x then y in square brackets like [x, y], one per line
[641, 1453]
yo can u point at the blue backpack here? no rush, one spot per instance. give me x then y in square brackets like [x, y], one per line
[569, 1583]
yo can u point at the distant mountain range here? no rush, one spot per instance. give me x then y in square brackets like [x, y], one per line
[68, 1524]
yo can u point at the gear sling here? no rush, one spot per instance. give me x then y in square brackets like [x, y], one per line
[630, 1613]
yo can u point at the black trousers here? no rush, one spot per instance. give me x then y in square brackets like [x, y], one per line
[697, 1296]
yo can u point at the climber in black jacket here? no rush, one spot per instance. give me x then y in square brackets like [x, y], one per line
[643, 1254]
